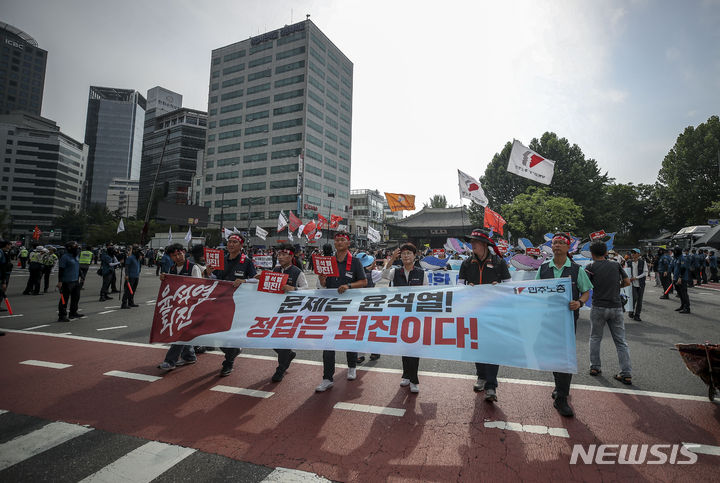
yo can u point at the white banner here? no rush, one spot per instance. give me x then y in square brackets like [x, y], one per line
[527, 163]
[282, 222]
[470, 189]
[260, 233]
[373, 235]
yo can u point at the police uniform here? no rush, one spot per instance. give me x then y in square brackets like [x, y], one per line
[681, 273]
[48, 262]
[665, 271]
[68, 275]
[33, 283]
[84, 259]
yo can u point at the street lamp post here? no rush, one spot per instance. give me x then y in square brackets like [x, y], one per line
[250, 203]
[330, 195]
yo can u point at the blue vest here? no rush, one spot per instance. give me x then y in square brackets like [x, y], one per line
[415, 277]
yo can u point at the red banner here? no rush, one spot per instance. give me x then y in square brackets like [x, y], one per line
[185, 308]
[598, 234]
[36, 233]
[493, 220]
[325, 266]
[215, 259]
[309, 228]
[532, 251]
[272, 282]
[335, 221]
[294, 222]
[437, 251]
[322, 222]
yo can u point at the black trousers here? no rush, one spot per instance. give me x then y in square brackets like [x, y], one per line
[563, 379]
[329, 363]
[713, 274]
[71, 293]
[83, 274]
[488, 372]
[230, 354]
[129, 298]
[33, 283]
[107, 278]
[682, 290]
[666, 280]
[410, 367]
[637, 299]
[283, 358]
[46, 276]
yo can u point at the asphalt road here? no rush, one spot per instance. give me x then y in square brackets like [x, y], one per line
[656, 366]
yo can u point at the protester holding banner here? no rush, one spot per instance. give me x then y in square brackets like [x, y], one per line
[351, 275]
[558, 267]
[484, 267]
[237, 268]
[404, 276]
[180, 354]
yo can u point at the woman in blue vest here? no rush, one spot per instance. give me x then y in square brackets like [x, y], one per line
[405, 275]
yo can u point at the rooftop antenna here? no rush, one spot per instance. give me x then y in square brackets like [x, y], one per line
[307, 16]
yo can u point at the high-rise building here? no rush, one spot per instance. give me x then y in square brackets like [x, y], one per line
[272, 99]
[22, 71]
[180, 132]
[113, 131]
[122, 196]
[367, 207]
[42, 172]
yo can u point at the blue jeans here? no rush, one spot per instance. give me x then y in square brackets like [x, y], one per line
[599, 316]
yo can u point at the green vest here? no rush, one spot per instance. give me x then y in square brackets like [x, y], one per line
[49, 259]
[23, 253]
[85, 257]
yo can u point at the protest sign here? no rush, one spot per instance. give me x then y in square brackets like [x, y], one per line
[272, 282]
[325, 266]
[215, 259]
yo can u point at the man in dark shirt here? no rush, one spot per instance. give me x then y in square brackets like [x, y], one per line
[69, 282]
[351, 275]
[607, 278]
[484, 267]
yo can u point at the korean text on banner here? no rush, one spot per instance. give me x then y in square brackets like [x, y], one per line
[527, 163]
[263, 261]
[214, 258]
[272, 282]
[522, 324]
[325, 266]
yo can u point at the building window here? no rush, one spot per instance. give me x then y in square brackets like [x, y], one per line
[288, 138]
[259, 75]
[234, 55]
[231, 108]
[288, 109]
[258, 102]
[313, 185]
[232, 69]
[313, 155]
[315, 111]
[247, 173]
[234, 81]
[291, 66]
[226, 189]
[256, 143]
[290, 80]
[258, 88]
[260, 61]
[256, 129]
[282, 199]
[283, 183]
[231, 95]
[290, 53]
[257, 115]
[230, 134]
[316, 98]
[289, 95]
[251, 158]
[253, 186]
[317, 70]
[227, 175]
[286, 153]
[329, 176]
[287, 124]
[228, 161]
[230, 120]
[312, 139]
[316, 84]
[312, 169]
[254, 200]
[229, 147]
[284, 168]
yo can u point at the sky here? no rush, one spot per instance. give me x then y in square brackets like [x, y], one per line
[437, 87]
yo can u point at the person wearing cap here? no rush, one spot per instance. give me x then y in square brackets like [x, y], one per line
[351, 275]
[406, 275]
[49, 260]
[638, 273]
[681, 279]
[35, 267]
[296, 281]
[484, 267]
[69, 283]
[663, 270]
[238, 268]
[561, 265]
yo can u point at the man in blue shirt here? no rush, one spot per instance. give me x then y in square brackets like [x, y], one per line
[132, 276]
[713, 265]
[69, 282]
[682, 279]
[664, 271]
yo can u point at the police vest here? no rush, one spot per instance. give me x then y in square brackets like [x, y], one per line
[85, 257]
[415, 277]
[50, 260]
[23, 253]
[293, 274]
[185, 270]
[35, 258]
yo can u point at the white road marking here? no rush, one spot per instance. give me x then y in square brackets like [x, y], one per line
[283, 475]
[37, 327]
[365, 408]
[112, 307]
[3, 411]
[31, 444]
[150, 301]
[527, 428]
[51, 365]
[143, 464]
[111, 328]
[242, 391]
[65, 333]
[703, 449]
[133, 375]
[8, 316]
[105, 312]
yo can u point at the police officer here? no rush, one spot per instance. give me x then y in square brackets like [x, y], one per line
[132, 277]
[108, 262]
[296, 281]
[84, 259]
[68, 282]
[23, 256]
[681, 278]
[693, 267]
[484, 267]
[663, 269]
[406, 275]
[49, 260]
[33, 283]
[351, 275]
[238, 269]
[562, 266]
[713, 266]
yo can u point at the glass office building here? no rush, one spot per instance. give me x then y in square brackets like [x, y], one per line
[22, 71]
[279, 128]
[114, 133]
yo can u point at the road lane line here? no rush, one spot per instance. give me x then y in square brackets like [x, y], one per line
[143, 464]
[242, 391]
[51, 365]
[365, 408]
[105, 312]
[3, 411]
[8, 316]
[112, 307]
[111, 328]
[36, 442]
[703, 449]
[133, 375]
[527, 428]
[37, 327]
[283, 475]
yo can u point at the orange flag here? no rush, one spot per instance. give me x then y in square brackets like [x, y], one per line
[400, 202]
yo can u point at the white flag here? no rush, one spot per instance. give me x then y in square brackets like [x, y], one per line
[121, 226]
[290, 235]
[527, 163]
[170, 236]
[300, 231]
[470, 189]
[260, 233]
[318, 235]
[226, 233]
[282, 222]
[373, 235]
[188, 236]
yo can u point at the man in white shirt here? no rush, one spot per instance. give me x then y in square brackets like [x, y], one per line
[638, 273]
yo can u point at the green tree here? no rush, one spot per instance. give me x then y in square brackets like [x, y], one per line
[689, 181]
[714, 209]
[536, 212]
[437, 201]
[634, 212]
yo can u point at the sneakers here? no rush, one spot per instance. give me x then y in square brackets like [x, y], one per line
[166, 366]
[77, 316]
[324, 385]
[374, 357]
[185, 362]
[404, 382]
[352, 374]
[63, 319]
[415, 388]
[563, 408]
[226, 370]
[279, 374]
[479, 385]
[490, 395]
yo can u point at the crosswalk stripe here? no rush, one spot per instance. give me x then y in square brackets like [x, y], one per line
[31, 444]
[528, 428]
[51, 365]
[133, 375]
[37, 327]
[3, 411]
[111, 328]
[143, 464]
[281, 475]
[242, 391]
[366, 408]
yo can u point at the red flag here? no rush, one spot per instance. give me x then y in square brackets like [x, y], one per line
[294, 222]
[493, 220]
[597, 234]
[36, 233]
[322, 222]
[335, 221]
[309, 228]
